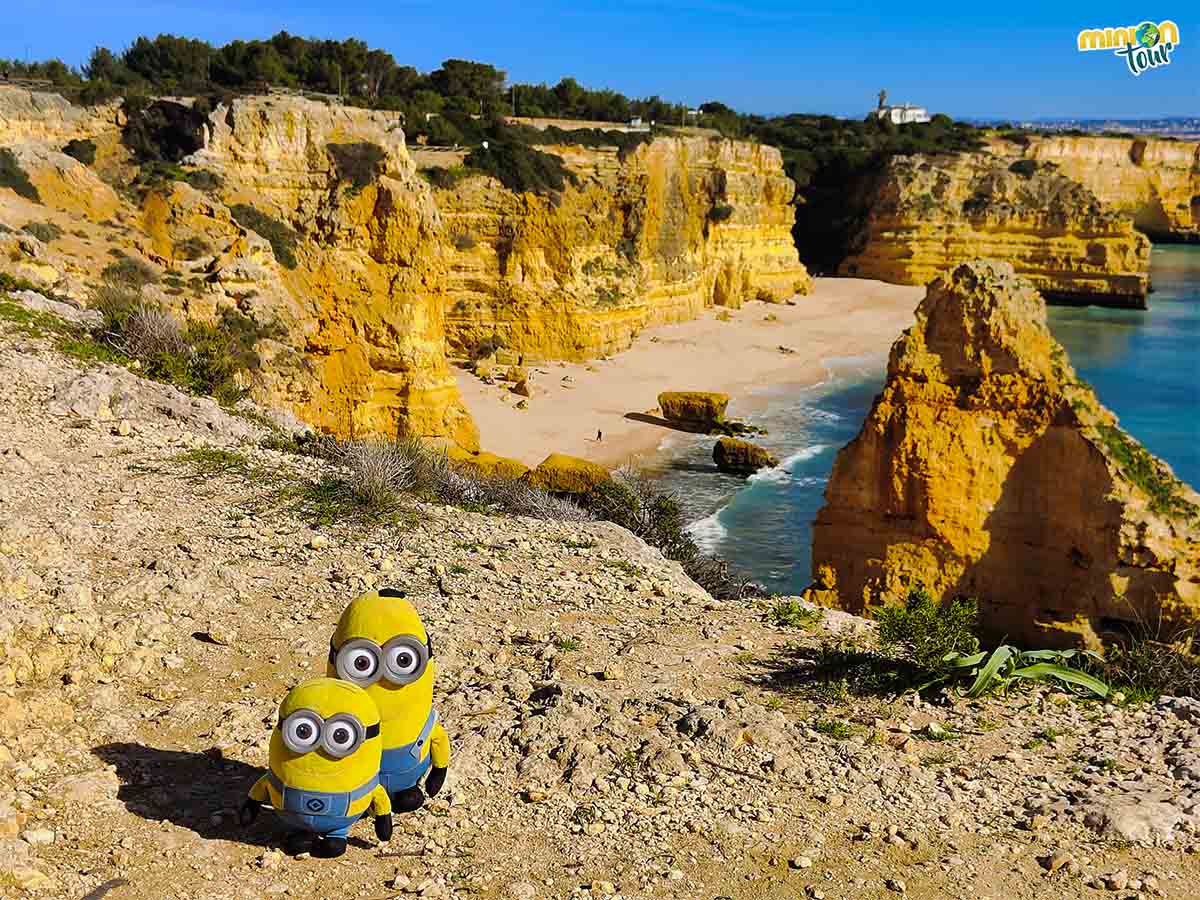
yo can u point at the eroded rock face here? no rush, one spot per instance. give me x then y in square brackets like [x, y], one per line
[700, 411]
[1155, 182]
[360, 287]
[559, 473]
[739, 457]
[930, 213]
[985, 468]
[675, 226]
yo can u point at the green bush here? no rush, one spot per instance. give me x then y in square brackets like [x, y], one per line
[634, 502]
[83, 150]
[282, 239]
[14, 177]
[521, 168]
[922, 632]
[129, 273]
[1146, 666]
[359, 164]
[1140, 467]
[443, 177]
[463, 239]
[1026, 168]
[45, 232]
[721, 213]
[160, 130]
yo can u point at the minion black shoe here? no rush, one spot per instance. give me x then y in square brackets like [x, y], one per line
[328, 847]
[297, 842]
[408, 800]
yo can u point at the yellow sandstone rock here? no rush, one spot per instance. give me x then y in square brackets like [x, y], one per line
[928, 214]
[562, 474]
[694, 410]
[634, 243]
[739, 457]
[1155, 182]
[985, 468]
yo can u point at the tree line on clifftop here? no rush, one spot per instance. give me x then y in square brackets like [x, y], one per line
[832, 160]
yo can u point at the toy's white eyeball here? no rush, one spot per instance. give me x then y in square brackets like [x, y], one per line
[404, 659]
[301, 731]
[342, 736]
[358, 661]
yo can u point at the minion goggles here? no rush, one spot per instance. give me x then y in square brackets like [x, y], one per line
[400, 661]
[339, 735]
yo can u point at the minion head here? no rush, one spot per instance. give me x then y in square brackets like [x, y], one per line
[381, 645]
[327, 730]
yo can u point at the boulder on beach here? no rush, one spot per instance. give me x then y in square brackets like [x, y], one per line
[559, 473]
[700, 411]
[741, 457]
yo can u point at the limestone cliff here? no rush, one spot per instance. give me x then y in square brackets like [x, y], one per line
[1153, 181]
[361, 288]
[985, 468]
[677, 225]
[929, 213]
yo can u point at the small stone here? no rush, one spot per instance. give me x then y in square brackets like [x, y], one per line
[801, 862]
[522, 890]
[896, 884]
[38, 837]
[272, 859]
[124, 429]
[318, 542]
[1054, 861]
[612, 673]
[603, 887]
[1116, 881]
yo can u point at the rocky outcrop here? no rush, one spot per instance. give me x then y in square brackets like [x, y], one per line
[738, 457]
[559, 473]
[930, 213]
[700, 411]
[354, 268]
[1154, 182]
[985, 468]
[653, 236]
[64, 183]
[50, 118]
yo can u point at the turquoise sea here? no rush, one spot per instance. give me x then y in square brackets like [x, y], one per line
[1145, 366]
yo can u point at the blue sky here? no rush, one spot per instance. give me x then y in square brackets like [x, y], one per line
[967, 59]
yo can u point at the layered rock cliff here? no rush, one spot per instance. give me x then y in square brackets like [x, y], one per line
[929, 213]
[361, 288]
[657, 235]
[1153, 181]
[985, 468]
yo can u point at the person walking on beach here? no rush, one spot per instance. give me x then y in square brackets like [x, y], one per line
[599, 435]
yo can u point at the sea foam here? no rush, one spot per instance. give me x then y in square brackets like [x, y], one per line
[708, 533]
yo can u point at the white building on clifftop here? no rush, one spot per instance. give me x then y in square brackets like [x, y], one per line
[904, 114]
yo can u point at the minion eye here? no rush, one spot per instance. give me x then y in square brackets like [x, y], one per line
[358, 662]
[404, 660]
[301, 732]
[342, 736]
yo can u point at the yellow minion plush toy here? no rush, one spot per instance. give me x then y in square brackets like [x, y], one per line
[381, 646]
[324, 772]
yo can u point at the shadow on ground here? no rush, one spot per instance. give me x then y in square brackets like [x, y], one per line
[197, 791]
[832, 672]
[659, 421]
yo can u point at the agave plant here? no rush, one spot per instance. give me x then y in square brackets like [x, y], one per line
[1006, 665]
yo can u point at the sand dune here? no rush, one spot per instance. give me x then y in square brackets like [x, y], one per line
[841, 317]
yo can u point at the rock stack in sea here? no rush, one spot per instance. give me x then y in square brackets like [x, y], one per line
[986, 468]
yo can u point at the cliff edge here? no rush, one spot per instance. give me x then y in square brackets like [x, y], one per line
[930, 213]
[986, 468]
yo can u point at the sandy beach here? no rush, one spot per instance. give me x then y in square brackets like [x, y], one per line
[842, 317]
